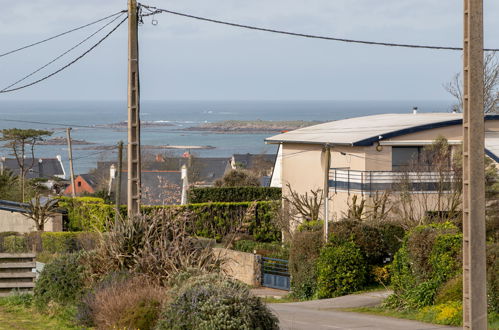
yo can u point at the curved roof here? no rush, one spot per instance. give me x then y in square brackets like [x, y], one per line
[364, 131]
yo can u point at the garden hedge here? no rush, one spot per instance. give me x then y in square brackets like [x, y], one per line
[233, 194]
[50, 242]
[211, 220]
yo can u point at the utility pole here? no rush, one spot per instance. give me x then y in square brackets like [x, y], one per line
[474, 264]
[134, 168]
[118, 180]
[70, 154]
[327, 165]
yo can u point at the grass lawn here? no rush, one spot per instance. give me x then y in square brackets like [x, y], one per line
[410, 315]
[16, 315]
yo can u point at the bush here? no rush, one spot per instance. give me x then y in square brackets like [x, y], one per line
[452, 290]
[15, 244]
[4, 234]
[303, 255]
[58, 242]
[215, 302]
[238, 178]
[270, 250]
[211, 220]
[61, 281]
[87, 213]
[311, 225]
[493, 276]
[430, 255]
[450, 313]
[392, 235]
[341, 269]
[367, 238]
[233, 194]
[122, 302]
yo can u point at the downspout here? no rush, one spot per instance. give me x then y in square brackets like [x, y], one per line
[327, 165]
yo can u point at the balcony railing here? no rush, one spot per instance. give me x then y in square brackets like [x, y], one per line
[372, 181]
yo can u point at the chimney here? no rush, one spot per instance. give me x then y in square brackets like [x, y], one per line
[415, 110]
[185, 185]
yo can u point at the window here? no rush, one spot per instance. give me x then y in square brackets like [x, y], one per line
[79, 183]
[402, 157]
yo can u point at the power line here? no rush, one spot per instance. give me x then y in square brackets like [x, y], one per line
[61, 34]
[154, 10]
[69, 64]
[47, 123]
[58, 57]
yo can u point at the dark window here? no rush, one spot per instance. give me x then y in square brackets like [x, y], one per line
[79, 183]
[403, 157]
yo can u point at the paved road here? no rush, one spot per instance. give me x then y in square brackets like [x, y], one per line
[324, 315]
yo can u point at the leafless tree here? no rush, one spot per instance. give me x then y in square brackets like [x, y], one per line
[40, 211]
[306, 205]
[491, 85]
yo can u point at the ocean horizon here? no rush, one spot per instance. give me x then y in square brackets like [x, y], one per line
[89, 119]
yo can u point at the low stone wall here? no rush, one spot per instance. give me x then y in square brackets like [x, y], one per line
[245, 267]
[15, 221]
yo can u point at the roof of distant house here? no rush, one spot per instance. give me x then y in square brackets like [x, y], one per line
[364, 131]
[90, 179]
[39, 167]
[158, 187]
[250, 160]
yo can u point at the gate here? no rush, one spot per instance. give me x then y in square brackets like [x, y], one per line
[275, 273]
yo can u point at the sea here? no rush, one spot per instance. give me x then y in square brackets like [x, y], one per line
[90, 121]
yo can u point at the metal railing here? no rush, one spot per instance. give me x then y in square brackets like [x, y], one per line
[372, 181]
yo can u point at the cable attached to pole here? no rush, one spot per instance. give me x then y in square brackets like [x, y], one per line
[61, 34]
[67, 65]
[154, 10]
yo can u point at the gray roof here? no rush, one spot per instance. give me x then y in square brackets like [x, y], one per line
[90, 179]
[158, 187]
[492, 145]
[40, 167]
[367, 129]
[250, 160]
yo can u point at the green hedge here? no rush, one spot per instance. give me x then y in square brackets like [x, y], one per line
[51, 242]
[211, 220]
[233, 194]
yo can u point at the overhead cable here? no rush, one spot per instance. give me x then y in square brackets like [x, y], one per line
[61, 34]
[58, 57]
[154, 10]
[67, 65]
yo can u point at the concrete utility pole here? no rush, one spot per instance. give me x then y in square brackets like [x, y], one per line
[474, 264]
[118, 180]
[70, 154]
[134, 168]
[327, 165]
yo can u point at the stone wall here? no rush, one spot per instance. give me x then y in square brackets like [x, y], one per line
[245, 267]
[15, 221]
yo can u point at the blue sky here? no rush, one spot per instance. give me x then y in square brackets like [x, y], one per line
[182, 59]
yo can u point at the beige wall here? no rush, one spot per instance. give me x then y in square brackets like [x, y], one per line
[302, 164]
[15, 221]
[242, 266]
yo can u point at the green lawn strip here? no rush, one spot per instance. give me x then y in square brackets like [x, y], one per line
[410, 315]
[18, 316]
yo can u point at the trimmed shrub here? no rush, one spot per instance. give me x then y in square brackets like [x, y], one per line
[430, 255]
[87, 213]
[303, 255]
[61, 281]
[15, 244]
[271, 250]
[233, 194]
[4, 234]
[341, 269]
[122, 302]
[215, 302]
[211, 220]
[311, 225]
[58, 242]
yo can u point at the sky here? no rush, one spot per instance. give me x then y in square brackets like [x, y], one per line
[184, 59]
